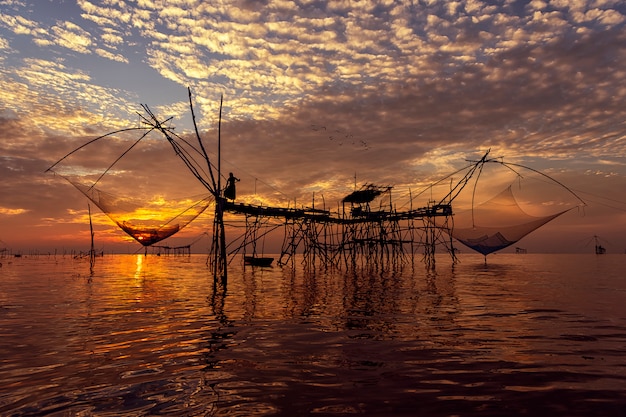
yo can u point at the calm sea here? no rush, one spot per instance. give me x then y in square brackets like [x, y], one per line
[521, 335]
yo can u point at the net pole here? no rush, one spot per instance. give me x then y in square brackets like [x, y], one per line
[219, 233]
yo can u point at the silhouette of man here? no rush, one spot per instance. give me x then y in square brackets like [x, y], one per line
[230, 191]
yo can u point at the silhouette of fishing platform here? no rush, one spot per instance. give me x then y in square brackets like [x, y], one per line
[343, 237]
[326, 216]
[352, 233]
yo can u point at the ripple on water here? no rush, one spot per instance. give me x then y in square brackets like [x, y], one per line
[147, 336]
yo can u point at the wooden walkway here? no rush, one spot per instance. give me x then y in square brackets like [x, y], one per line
[324, 216]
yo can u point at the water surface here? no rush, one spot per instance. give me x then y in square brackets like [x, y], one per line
[520, 335]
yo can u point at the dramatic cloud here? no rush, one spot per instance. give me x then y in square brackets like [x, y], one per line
[398, 93]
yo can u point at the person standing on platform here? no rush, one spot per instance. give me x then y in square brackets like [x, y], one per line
[230, 191]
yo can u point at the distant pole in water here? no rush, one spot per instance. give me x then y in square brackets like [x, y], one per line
[92, 251]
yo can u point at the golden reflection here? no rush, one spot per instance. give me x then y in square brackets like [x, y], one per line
[139, 266]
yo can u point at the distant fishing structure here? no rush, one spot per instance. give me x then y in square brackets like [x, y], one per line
[367, 227]
[176, 250]
[599, 249]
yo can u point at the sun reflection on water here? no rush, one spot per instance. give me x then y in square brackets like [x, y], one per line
[139, 266]
[153, 333]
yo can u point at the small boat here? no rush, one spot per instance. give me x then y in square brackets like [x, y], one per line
[258, 261]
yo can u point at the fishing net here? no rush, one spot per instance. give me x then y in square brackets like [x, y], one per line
[147, 221]
[136, 180]
[488, 214]
[496, 223]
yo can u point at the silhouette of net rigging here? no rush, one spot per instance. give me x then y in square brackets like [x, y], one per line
[150, 214]
[147, 222]
[496, 223]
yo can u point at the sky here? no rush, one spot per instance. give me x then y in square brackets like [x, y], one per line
[317, 97]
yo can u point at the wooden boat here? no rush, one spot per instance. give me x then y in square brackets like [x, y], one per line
[258, 261]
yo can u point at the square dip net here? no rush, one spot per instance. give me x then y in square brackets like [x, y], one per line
[134, 178]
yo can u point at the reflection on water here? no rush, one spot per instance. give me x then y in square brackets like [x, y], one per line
[520, 335]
